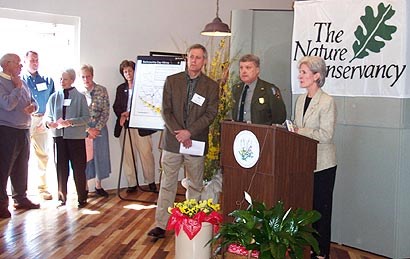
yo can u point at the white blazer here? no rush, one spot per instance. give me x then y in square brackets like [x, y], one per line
[319, 124]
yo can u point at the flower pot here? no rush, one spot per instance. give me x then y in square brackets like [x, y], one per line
[195, 248]
[229, 255]
[236, 251]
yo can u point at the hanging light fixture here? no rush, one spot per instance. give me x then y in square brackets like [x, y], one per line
[216, 27]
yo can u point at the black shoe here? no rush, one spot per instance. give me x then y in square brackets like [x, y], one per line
[82, 204]
[152, 187]
[4, 213]
[157, 232]
[101, 192]
[60, 203]
[25, 204]
[132, 189]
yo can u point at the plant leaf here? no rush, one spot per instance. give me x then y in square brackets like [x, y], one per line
[248, 198]
[376, 28]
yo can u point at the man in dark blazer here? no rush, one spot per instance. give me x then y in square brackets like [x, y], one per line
[189, 106]
[255, 100]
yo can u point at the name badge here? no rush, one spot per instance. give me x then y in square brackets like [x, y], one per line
[67, 102]
[197, 99]
[41, 86]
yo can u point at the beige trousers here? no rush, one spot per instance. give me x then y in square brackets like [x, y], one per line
[171, 163]
[39, 141]
[143, 147]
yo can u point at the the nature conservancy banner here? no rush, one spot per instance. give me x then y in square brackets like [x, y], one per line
[364, 44]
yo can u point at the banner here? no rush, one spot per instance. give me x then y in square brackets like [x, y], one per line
[364, 45]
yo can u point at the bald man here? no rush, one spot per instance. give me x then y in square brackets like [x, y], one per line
[16, 107]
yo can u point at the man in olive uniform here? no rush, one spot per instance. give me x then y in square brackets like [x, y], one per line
[256, 100]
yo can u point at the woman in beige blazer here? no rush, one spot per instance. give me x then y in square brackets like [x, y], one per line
[315, 117]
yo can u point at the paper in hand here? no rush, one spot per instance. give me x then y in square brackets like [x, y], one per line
[197, 148]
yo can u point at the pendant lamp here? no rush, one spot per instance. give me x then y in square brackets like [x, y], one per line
[216, 27]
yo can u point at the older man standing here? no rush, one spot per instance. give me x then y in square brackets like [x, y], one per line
[16, 105]
[256, 100]
[189, 106]
[41, 87]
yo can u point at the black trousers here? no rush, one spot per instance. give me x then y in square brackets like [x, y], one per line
[14, 155]
[70, 151]
[324, 182]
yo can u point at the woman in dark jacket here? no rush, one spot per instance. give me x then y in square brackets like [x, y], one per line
[141, 139]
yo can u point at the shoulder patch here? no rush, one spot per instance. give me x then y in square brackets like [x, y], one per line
[273, 90]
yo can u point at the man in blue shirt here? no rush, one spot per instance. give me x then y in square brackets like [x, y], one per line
[41, 88]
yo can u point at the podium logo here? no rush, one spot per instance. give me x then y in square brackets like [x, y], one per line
[374, 32]
[246, 149]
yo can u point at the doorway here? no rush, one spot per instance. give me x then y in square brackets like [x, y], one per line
[55, 39]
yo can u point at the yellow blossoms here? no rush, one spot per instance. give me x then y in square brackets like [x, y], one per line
[192, 207]
[218, 70]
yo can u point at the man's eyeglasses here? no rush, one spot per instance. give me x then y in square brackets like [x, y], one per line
[12, 61]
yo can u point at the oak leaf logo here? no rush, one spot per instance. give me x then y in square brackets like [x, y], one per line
[370, 37]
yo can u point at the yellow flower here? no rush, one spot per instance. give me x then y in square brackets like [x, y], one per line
[218, 70]
[192, 207]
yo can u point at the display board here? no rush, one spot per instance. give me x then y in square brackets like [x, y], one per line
[149, 78]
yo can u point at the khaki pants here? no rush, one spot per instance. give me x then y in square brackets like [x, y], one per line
[171, 163]
[143, 147]
[39, 141]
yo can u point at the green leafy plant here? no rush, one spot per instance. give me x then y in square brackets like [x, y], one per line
[274, 232]
[375, 26]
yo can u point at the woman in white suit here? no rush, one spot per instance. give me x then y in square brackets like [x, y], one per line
[315, 117]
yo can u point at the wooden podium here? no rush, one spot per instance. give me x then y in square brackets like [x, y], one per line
[283, 172]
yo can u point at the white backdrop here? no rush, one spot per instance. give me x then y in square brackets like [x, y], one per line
[364, 44]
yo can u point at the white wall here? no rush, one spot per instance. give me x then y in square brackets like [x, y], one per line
[115, 30]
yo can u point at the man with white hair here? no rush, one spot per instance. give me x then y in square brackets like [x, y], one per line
[16, 106]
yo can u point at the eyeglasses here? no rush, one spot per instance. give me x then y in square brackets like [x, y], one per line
[17, 63]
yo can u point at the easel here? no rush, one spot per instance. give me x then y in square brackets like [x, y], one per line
[127, 130]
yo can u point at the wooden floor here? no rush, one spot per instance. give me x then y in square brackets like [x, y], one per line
[106, 228]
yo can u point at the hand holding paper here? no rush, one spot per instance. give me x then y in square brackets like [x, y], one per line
[197, 148]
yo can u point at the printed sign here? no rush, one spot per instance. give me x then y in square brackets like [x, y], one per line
[364, 45]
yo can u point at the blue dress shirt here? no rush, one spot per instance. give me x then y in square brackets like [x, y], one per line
[41, 88]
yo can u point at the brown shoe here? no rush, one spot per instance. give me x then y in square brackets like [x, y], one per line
[152, 187]
[25, 204]
[45, 195]
[101, 192]
[157, 232]
[4, 213]
[132, 189]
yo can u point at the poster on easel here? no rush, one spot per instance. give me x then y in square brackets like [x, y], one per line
[149, 78]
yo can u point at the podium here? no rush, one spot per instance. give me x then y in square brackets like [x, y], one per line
[284, 170]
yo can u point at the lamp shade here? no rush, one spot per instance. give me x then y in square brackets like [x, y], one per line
[216, 28]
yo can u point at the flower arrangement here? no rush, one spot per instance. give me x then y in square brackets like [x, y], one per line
[218, 70]
[190, 214]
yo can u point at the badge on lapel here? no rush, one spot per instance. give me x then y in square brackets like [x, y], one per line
[261, 100]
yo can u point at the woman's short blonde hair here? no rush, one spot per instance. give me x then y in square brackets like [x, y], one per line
[316, 64]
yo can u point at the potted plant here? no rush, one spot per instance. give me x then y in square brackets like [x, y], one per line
[272, 233]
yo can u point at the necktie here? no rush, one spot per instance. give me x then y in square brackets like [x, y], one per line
[190, 93]
[242, 104]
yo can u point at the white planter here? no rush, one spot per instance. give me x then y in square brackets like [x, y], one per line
[195, 248]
